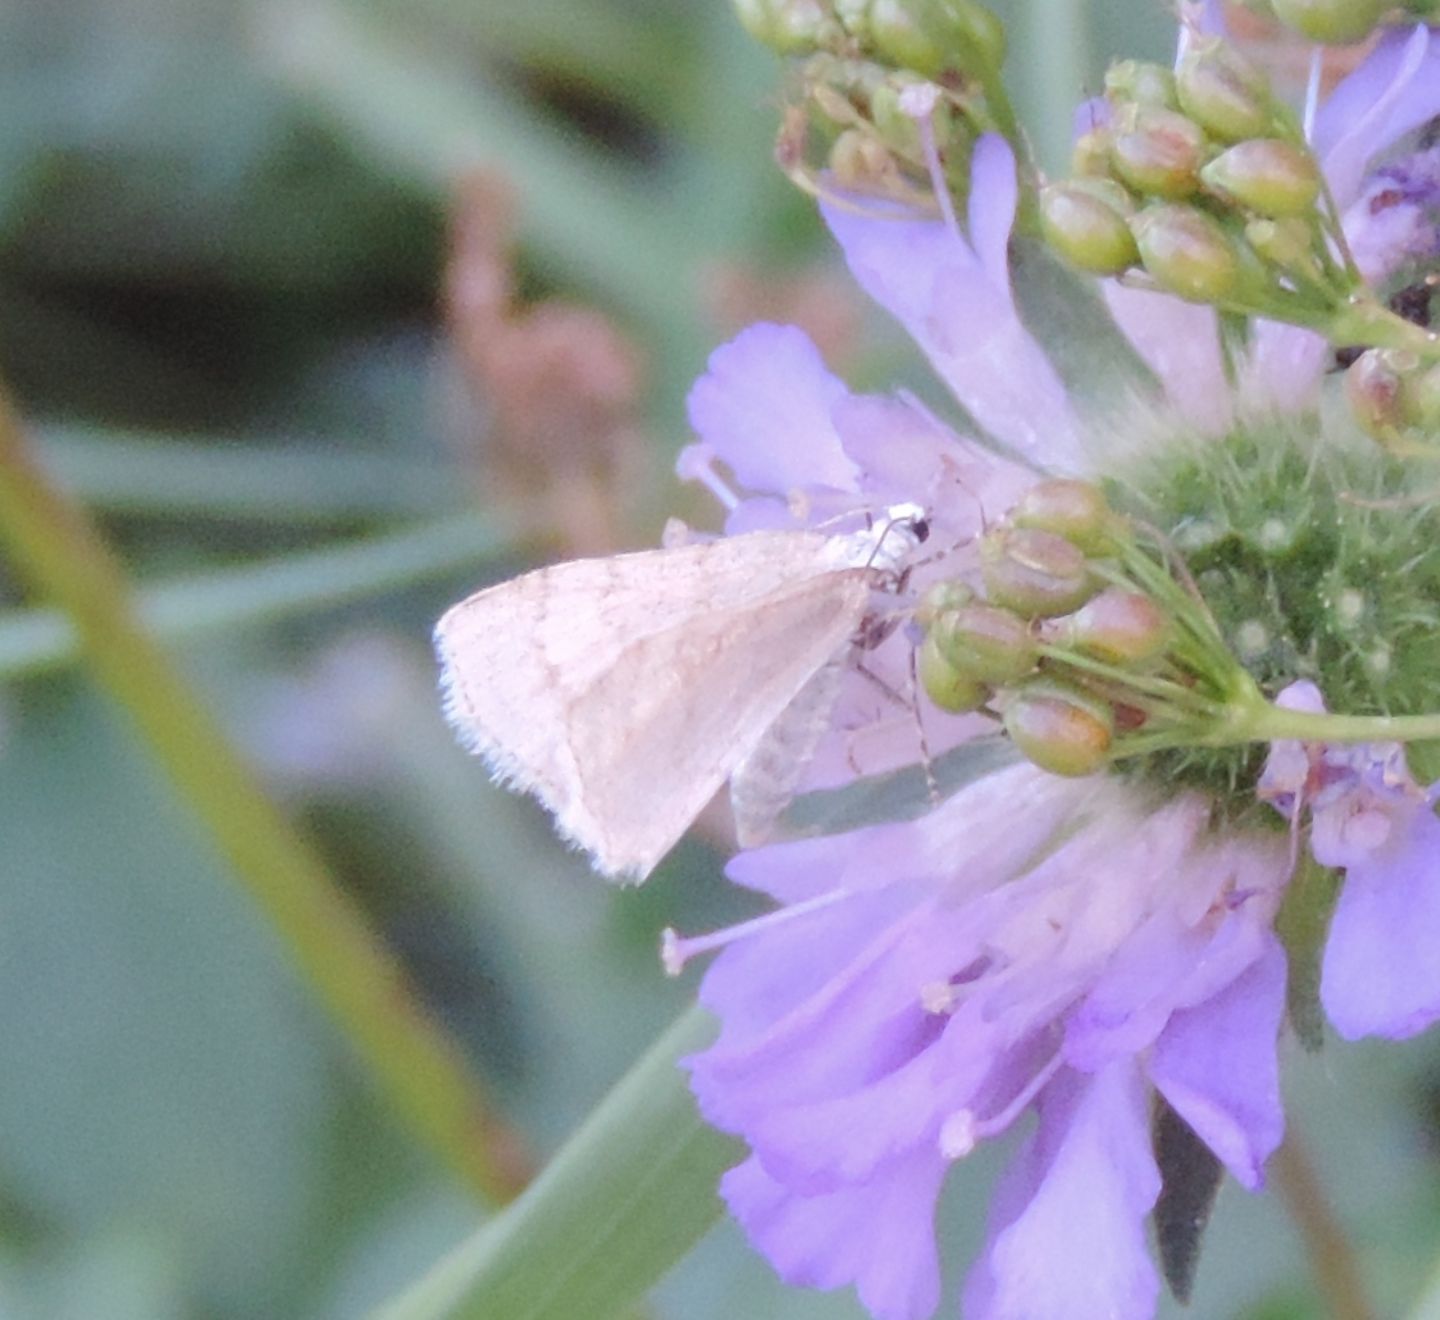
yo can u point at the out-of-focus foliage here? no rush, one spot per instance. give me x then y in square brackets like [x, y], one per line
[223, 282]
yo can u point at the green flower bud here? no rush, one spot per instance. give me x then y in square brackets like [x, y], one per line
[1187, 252]
[945, 685]
[790, 27]
[989, 644]
[862, 164]
[899, 130]
[1076, 510]
[1424, 391]
[941, 598]
[1287, 245]
[1267, 175]
[902, 39]
[1061, 728]
[1119, 627]
[1376, 388]
[1335, 22]
[1158, 152]
[1141, 82]
[1085, 222]
[931, 36]
[1225, 92]
[1035, 573]
[1090, 156]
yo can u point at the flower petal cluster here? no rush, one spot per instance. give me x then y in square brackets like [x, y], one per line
[924, 985]
[1370, 819]
[1034, 948]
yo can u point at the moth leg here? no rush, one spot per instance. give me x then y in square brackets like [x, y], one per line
[931, 787]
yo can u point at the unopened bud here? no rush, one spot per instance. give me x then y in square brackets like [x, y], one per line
[1090, 156]
[1267, 175]
[1376, 387]
[1061, 728]
[1158, 152]
[988, 643]
[1120, 627]
[930, 36]
[945, 685]
[1424, 391]
[1335, 22]
[1286, 245]
[940, 599]
[1142, 82]
[1187, 252]
[1076, 510]
[1228, 94]
[1085, 221]
[790, 27]
[898, 129]
[1037, 574]
[861, 164]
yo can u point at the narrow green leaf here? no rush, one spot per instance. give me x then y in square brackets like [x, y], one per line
[134, 472]
[629, 1194]
[198, 604]
[900, 795]
[1302, 925]
[1065, 312]
[434, 120]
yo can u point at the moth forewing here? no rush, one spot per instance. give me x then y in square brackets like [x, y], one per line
[696, 699]
[622, 692]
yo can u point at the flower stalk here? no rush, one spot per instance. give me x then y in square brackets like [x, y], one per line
[63, 556]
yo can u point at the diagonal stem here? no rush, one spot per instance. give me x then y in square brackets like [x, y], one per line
[63, 557]
[1332, 1258]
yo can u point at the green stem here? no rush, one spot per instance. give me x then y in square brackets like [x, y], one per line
[1332, 1255]
[1263, 722]
[1367, 321]
[62, 556]
[1130, 681]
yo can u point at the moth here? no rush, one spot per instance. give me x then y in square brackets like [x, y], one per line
[623, 692]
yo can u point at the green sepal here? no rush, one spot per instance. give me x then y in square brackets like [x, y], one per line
[1190, 1178]
[1302, 924]
[626, 1197]
[1423, 758]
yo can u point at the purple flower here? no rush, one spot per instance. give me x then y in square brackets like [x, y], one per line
[1395, 91]
[1035, 950]
[1370, 819]
[925, 985]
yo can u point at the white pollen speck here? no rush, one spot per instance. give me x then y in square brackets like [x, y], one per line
[672, 957]
[1378, 659]
[1197, 534]
[1349, 607]
[957, 1135]
[919, 100]
[1273, 534]
[1252, 638]
[937, 997]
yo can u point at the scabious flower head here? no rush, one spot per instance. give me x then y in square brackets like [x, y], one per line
[1036, 951]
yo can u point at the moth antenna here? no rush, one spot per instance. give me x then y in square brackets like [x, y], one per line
[917, 521]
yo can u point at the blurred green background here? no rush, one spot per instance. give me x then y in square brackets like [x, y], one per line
[261, 314]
